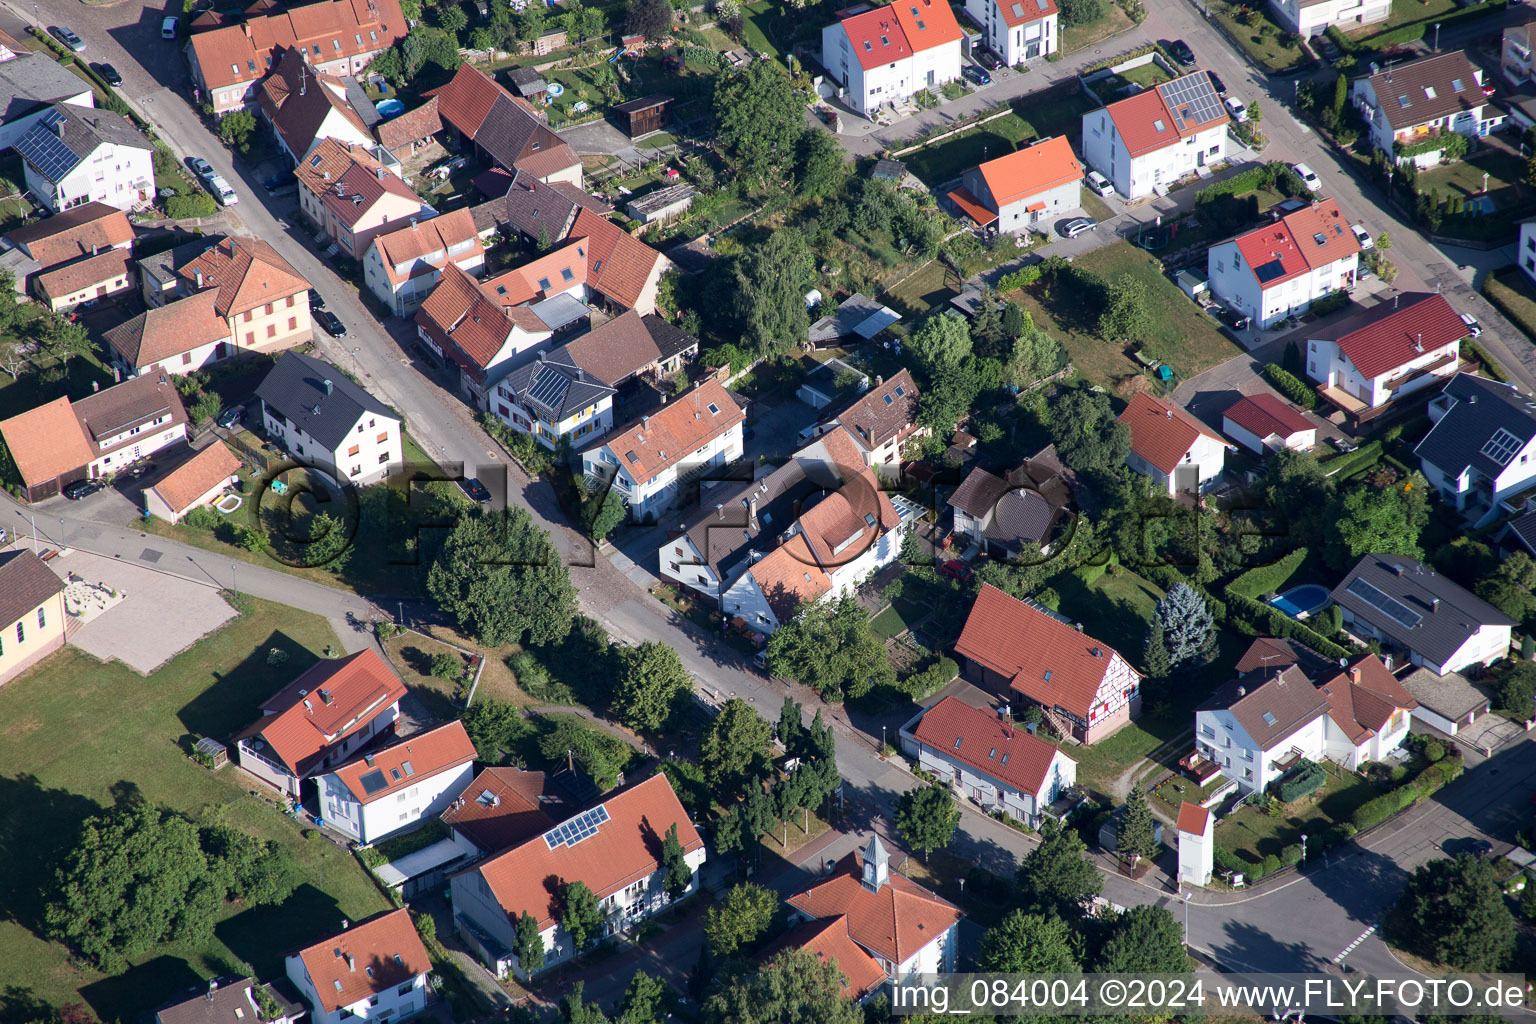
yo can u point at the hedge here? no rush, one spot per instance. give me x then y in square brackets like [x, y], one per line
[1244, 181]
[1359, 460]
[1452, 145]
[1330, 303]
[1272, 621]
[199, 204]
[1019, 278]
[1410, 33]
[1267, 579]
[1290, 386]
[1432, 779]
[1304, 781]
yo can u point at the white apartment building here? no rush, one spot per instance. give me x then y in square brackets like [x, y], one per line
[1151, 140]
[402, 267]
[374, 971]
[76, 155]
[1280, 269]
[884, 54]
[315, 411]
[1313, 17]
[397, 787]
[1018, 31]
[1383, 353]
[1413, 103]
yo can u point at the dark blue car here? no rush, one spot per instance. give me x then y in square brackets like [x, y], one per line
[976, 75]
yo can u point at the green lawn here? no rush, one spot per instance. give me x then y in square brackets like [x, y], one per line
[946, 160]
[75, 735]
[1182, 335]
[772, 28]
[1112, 23]
[1146, 76]
[1511, 291]
[888, 623]
[1512, 199]
[1096, 207]
[1265, 41]
[1252, 834]
[1406, 12]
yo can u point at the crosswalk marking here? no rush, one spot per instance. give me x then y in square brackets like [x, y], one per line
[1351, 947]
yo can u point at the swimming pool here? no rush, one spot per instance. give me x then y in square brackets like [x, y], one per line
[390, 108]
[1299, 602]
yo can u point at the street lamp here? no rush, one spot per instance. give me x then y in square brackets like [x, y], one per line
[1185, 897]
[1437, 37]
[1303, 847]
[882, 739]
[234, 578]
[62, 542]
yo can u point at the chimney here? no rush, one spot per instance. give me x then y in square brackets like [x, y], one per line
[233, 249]
[719, 511]
[1418, 341]
[368, 760]
[415, 226]
[95, 385]
[1242, 691]
[327, 175]
[351, 963]
[879, 380]
[198, 275]
[378, 172]
[645, 423]
[1167, 414]
[1434, 604]
[752, 512]
[325, 696]
[327, 385]
[58, 126]
[345, 924]
[1354, 674]
[1098, 653]
[1397, 570]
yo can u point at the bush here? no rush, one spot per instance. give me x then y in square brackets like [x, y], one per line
[1291, 855]
[203, 518]
[1307, 779]
[1266, 579]
[198, 204]
[447, 666]
[1021, 278]
[1330, 303]
[1375, 811]
[1290, 386]
[1271, 864]
[1434, 750]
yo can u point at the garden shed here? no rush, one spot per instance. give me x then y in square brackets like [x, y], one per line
[211, 752]
[643, 116]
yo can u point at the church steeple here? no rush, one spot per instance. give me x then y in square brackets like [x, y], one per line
[877, 865]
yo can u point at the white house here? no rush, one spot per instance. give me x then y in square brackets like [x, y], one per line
[402, 267]
[985, 758]
[398, 786]
[1482, 447]
[1515, 53]
[304, 106]
[237, 1000]
[650, 461]
[320, 719]
[463, 321]
[182, 336]
[373, 971]
[1415, 103]
[1168, 444]
[1412, 609]
[128, 422]
[613, 847]
[1369, 713]
[1016, 648]
[883, 54]
[1197, 844]
[555, 400]
[1313, 17]
[1000, 515]
[1028, 188]
[1264, 423]
[30, 84]
[316, 412]
[844, 535]
[76, 155]
[881, 422]
[1018, 31]
[1280, 269]
[1383, 353]
[908, 930]
[1148, 141]
[199, 481]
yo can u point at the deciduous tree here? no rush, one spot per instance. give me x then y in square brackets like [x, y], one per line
[1055, 878]
[645, 1000]
[651, 679]
[494, 727]
[735, 747]
[1144, 940]
[502, 580]
[794, 987]
[768, 286]
[1088, 437]
[759, 118]
[649, 18]
[738, 920]
[927, 818]
[831, 648]
[1453, 912]
[1024, 943]
[580, 914]
[1126, 315]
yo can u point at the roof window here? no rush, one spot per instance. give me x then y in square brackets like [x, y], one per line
[991, 753]
[900, 390]
[867, 46]
[394, 773]
[544, 283]
[1403, 101]
[888, 399]
[1456, 84]
[957, 741]
[1047, 675]
[1269, 719]
[501, 289]
[373, 36]
[316, 48]
[1320, 238]
[234, 69]
[920, 26]
[315, 160]
[1005, 759]
[885, 40]
[1159, 126]
[337, 44]
[1429, 92]
[359, 38]
[869, 519]
[566, 275]
[714, 410]
[630, 455]
[252, 65]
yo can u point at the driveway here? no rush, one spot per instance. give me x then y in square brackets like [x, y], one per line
[160, 616]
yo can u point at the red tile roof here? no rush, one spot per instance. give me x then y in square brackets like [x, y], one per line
[828, 941]
[329, 701]
[422, 247]
[887, 410]
[338, 28]
[247, 272]
[620, 264]
[927, 23]
[1161, 432]
[1149, 121]
[625, 849]
[675, 431]
[971, 207]
[1363, 698]
[188, 482]
[1032, 170]
[1193, 818]
[408, 761]
[83, 274]
[365, 960]
[73, 233]
[1264, 415]
[161, 332]
[46, 442]
[1308, 239]
[467, 98]
[876, 37]
[411, 126]
[1045, 659]
[502, 807]
[981, 739]
[789, 577]
[1394, 338]
[1271, 254]
[893, 923]
[462, 316]
[360, 189]
[1022, 12]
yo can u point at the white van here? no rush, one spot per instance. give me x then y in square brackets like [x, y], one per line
[221, 190]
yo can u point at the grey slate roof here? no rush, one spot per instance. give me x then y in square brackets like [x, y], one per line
[725, 536]
[1441, 628]
[859, 316]
[295, 387]
[1022, 517]
[555, 384]
[508, 130]
[526, 81]
[1523, 529]
[1451, 696]
[1272, 710]
[1481, 409]
[33, 80]
[978, 492]
[81, 130]
[360, 102]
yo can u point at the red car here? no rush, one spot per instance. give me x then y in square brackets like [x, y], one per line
[956, 570]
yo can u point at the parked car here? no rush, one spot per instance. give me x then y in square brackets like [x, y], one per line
[82, 489]
[109, 75]
[1343, 444]
[1099, 183]
[1363, 236]
[168, 27]
[976, 75]
[1217, 83]
[1077, 226]
[476, 490]
[956, 570]
[202, 168]
[1237, 108]
[222, 190]
[1181, 52]
[1473, 327]
[331, 323]
[229, 417]
[68, 38]
[316, 300]
[1308, 178]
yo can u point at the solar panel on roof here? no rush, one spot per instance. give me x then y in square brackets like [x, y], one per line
[373, 782]
[47, 152]
[1194, 94]
[1501, 447]
[583, 826]
[1388, 606]
[549, 388]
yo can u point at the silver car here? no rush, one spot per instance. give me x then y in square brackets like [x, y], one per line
[1077, 226]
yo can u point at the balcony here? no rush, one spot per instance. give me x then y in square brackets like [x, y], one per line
[1198, 767]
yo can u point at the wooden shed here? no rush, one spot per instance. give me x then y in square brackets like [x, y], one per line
[643, 116]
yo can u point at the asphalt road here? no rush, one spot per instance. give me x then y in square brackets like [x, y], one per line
[1306, 923]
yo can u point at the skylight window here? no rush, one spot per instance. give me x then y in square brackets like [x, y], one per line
[1429, 92]
[566, 275]
[315, 160]
[714, 410]
[888, 399]
[1269, 719]
[1403, 101]
[1456, 84]
[1158, 125]
[900, 390]
[631, 456]
[885, 41]
[991, 753]
[957, 741]
[336, 43]
[1005, 759]
[394, 773]
[316, 48]
[544, 284]
[869, 520]
[372, 35]
[1320, 238]
[867, 46]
